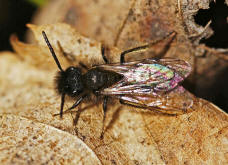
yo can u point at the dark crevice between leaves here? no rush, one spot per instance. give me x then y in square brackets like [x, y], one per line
[216, 92]
[218, 13]
[14, 15]
[215, 89]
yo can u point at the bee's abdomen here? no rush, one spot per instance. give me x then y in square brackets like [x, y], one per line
[96, 79]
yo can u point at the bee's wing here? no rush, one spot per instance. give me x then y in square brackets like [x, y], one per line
[175, 102]
[148, 76]
[118, 68]
[182, 67]
[122, 88]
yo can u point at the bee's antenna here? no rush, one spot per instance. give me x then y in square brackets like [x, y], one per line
[52, 51]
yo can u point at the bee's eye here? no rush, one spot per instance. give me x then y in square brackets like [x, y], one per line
[71, 68]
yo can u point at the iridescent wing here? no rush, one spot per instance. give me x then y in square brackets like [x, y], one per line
[176, 102]
[148, 77]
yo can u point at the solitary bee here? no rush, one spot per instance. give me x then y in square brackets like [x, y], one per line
[144, 84]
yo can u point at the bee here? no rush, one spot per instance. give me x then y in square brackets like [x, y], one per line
[144, 84]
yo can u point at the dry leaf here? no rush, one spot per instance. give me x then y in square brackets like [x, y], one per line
[24, 141]
[127, 24]
[28, 102]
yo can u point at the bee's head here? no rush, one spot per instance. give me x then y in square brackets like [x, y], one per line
[69, 81]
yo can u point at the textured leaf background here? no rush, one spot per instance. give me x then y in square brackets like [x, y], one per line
[30, 133]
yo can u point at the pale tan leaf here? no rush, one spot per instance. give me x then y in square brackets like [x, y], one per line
[26, 142]
[131, 136]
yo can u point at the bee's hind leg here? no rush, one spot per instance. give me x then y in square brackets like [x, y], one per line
[122, 55]
[143, 47]
[104, 116]
[103, 50]
[69, 57]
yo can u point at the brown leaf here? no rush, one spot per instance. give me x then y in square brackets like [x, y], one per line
[89, 53]
[128, 24]
[26, 142]
[92, 18]
[32, 54]
[131, 137]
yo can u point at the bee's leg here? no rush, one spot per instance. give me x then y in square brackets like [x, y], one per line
[156, 109]
[75, 121]
[62, 105]
[128, 104]
[83, 66]
[122, 55]
[79, 111]
[104, 116]
[76, 118]
[70, 58]
[103, 53]
[77, 102]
